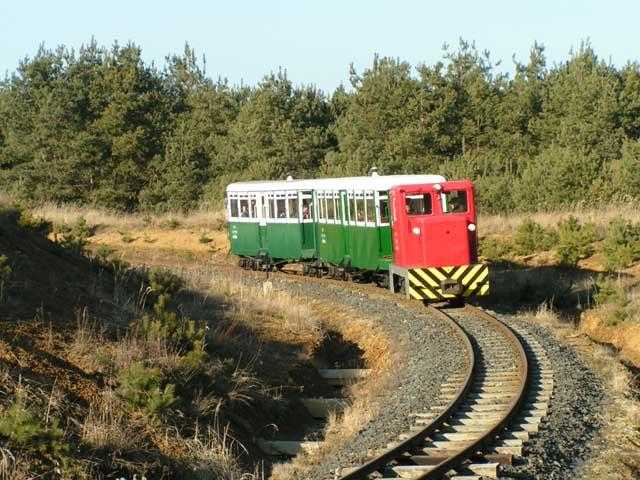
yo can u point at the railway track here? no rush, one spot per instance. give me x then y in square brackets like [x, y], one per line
[483, 416]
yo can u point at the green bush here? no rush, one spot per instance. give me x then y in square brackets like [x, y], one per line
[574, 241]
[621, 245]
[5, 275]
[164, 282]
[170, 224]
[34, 224]
[531, 237]
[126, 238]
[74, 237]
[161, 324]
[21, 427]
[103, 253]
[608, 290]
[142, 387]
[204, 238]
[494, 249]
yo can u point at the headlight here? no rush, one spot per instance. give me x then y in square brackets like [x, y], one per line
[472, 227]
[416, 230]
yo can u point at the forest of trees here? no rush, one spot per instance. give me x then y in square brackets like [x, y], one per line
[100, 126]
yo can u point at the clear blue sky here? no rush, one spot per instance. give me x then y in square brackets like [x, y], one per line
[316, 41]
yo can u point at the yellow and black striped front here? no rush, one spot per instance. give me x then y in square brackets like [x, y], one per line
[444, 283]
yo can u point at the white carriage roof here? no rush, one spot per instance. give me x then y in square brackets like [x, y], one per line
[373, 182]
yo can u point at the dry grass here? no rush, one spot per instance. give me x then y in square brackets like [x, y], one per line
[13, 467]
[617, 323]
[276, 314]
[619, 455]
[214, 454]
[507, 224]
[204, 218]
[381, 357]
[107, 426]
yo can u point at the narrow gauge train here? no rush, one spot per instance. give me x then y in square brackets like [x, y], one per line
[415, 233]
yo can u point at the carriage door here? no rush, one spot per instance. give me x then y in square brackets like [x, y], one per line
[308, 225]
[263, 213]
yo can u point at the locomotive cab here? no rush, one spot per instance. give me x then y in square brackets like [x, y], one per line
[435, 240]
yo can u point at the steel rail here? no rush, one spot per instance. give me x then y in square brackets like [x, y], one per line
[459, 457]
[415, 440]
[462, 455]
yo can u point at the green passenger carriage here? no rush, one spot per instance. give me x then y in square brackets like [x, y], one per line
[411, 232]
[341, 222]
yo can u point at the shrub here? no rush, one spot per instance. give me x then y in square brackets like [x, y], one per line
[103, 253]
[75, 236]
[532, 237]
[162, 324]
[612, 295]
[126, 238]
[574, 241]
[608, 290]
[204, 239]
[170, 224]
[621, 245]
[34, 224]
[20, 426]
[5, 275]
[164, 282]
[494, 249]
[141, 387]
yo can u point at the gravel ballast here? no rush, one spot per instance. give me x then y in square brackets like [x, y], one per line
[566, 436]
[430, 355]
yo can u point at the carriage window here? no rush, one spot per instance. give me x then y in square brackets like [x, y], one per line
[331, 210]
[244, 208]
[281, 208]
[321, 213]
[293, 207]
[272, 208]
[360, 209]
[352, 209]
[454, 201]
[419, 204]
[383, 203]
[307, 209]
[338, 203]
[253, 211]
[234, 207]
[371, 210]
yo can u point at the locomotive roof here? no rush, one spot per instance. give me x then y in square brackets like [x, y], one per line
[373, 182]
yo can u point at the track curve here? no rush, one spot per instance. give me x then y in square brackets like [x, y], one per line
[471, 414]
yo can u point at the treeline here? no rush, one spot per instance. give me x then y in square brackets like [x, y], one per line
[100, 126]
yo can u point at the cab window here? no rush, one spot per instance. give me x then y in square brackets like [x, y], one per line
[419, 204]
[454, 201]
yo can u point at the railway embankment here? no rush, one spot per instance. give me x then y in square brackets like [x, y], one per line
[586, 434]
[427, 355]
